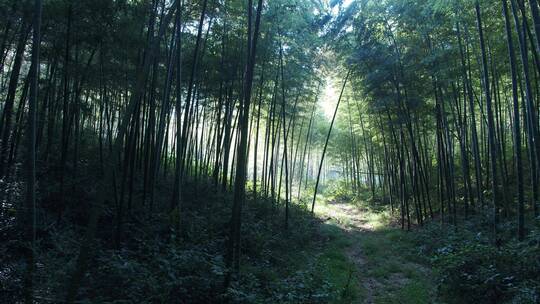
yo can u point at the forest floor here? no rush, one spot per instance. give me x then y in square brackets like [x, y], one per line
[387, 266]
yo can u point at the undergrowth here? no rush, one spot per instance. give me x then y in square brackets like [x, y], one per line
[467, 266]
[155, 264]
[472, 269]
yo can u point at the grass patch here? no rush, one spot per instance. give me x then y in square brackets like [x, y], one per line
[390, 255]
[410, 293]
[335, 266]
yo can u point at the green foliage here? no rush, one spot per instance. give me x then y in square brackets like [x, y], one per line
[337, 267]
[472, 270]
[339, 192]
[305, 264]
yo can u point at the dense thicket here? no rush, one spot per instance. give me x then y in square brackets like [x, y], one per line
[140, 112]
[444, 106]
[442, 123]
[139, 130]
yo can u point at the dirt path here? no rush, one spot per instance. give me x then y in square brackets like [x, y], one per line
[386, 268]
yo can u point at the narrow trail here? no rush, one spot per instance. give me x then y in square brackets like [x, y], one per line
[387, 270]
[356, 225]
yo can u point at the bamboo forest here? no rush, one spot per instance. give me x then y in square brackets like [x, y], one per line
[270, 151]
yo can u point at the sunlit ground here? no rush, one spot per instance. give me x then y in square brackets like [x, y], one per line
[386, 267]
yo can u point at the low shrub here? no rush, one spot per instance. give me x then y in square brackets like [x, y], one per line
[471, 269]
